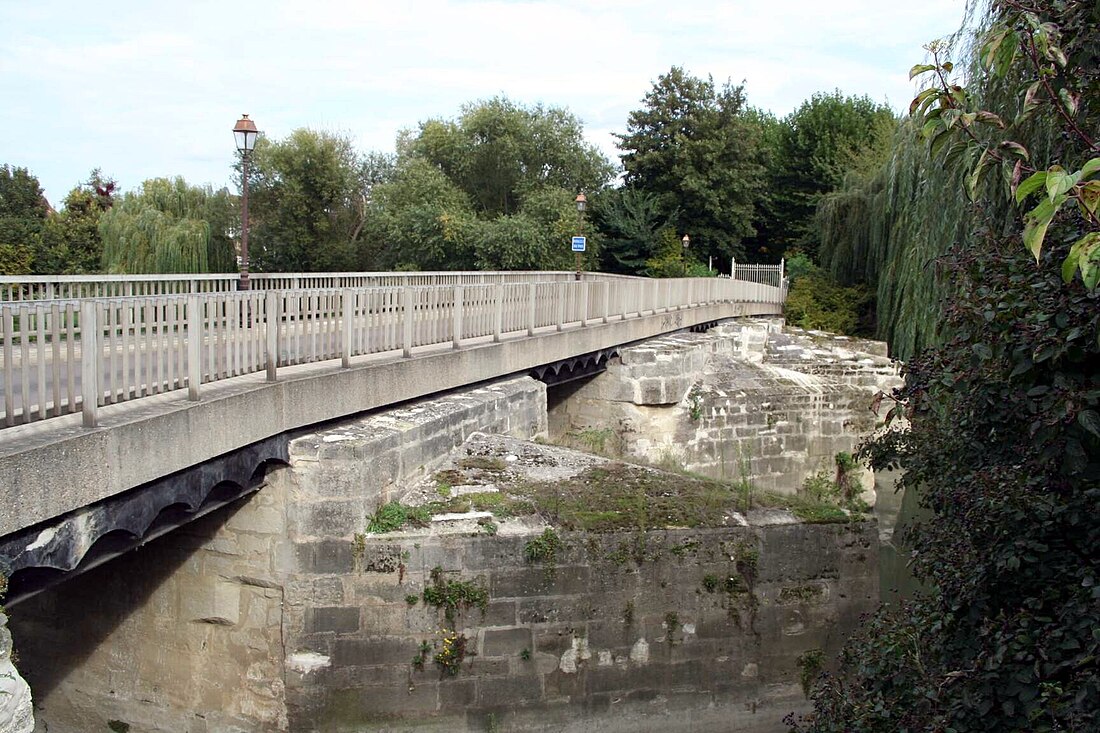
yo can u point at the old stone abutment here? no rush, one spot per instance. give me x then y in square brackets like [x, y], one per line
[282, 612]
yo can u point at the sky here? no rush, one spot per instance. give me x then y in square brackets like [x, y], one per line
[152, 88]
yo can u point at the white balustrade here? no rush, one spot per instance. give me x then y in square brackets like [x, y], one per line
[61, 356]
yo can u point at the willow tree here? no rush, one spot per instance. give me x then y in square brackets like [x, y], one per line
[1001, 438]
[169, 227]
[890, 226]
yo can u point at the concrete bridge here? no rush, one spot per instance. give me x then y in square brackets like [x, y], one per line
[132, 405]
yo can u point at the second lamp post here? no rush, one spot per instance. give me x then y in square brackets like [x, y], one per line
[581, 203]
[245, 134]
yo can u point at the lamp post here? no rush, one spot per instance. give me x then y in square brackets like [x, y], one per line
[581, 203]
[245, 134]
[686, 241]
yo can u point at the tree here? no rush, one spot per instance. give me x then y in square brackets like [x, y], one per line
[634, 227]
[420, 219]
[23, 212]
[815, 146]
[308, 200]
[73, 244]
[692, 146]
[1003, 447]
[499, 152]
[536, 238]
[168, 227]
[493, 188]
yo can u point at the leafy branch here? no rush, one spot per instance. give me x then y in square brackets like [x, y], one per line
[1020, 44]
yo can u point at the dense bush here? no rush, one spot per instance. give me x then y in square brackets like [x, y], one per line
[816, 301]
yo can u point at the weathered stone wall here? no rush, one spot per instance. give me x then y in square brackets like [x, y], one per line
[186, 634]
[746, 400]
[280, 614]
[667, 630]
[183, 634]
[16, 714]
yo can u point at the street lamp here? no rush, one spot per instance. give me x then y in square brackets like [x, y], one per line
[685, 240]
[582, 204]
[245, 134]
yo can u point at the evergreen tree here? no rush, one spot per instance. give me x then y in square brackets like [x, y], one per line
[693, 147]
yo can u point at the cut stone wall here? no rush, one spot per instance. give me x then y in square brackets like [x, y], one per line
[183, 634]
[624, 632]
[187, 633]
[748, 399]
[280, 614]
[16, 714]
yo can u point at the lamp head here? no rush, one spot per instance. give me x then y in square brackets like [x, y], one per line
[245, 134]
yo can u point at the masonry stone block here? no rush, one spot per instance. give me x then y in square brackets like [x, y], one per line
[371, 651]
[338, 620]
[505, 642]
[510, 692]
[325, 556]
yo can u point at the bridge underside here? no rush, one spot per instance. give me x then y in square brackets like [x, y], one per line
[40, 556]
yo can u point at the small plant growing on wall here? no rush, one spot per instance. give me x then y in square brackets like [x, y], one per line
[452, 595]
[695, 403]
[810, 664]
[422, 655]
[544, 548]
[451, 653]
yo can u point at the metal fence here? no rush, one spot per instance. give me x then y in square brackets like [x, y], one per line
[766, 276]
[56, 355]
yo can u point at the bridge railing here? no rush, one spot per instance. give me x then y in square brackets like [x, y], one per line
[18, 288]
[765, 276]
[65, 356]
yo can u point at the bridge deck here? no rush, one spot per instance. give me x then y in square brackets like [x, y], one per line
[354, 351]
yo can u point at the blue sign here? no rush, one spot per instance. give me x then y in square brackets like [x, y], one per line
[578, 244]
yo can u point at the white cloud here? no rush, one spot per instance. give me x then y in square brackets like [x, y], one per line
[150, 90]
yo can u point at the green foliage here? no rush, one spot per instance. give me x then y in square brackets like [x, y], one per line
[810, 664]
[816, 301]
[420, 218]
[1045, 53]
[710, 583]
[423, 653]
[73, 242]
[499, 153]
[493, 189]
[452, 652]
[394, 515]
[23, 213]
[670, 259]
[634, 225]
[798, 265]
[695, 402]
[815, 146]
[454, 595]
[980, 141]
[308, 201]
[1004, 451]
[544, 548]
[693, 147]
[168, 227]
